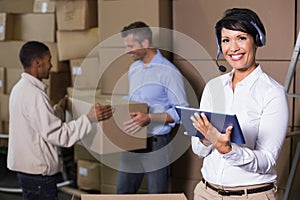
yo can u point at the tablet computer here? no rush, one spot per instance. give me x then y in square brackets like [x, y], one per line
[218, 120]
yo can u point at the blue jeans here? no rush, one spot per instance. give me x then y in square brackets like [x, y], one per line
[38, 187]
[134, 165]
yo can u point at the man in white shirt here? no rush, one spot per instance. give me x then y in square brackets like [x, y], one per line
[35, 131]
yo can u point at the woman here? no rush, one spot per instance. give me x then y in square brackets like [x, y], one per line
[241, 171]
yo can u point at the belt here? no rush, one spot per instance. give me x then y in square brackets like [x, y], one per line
[238, 192]
[154, 138]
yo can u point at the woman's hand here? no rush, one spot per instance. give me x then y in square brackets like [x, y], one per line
[220, 141]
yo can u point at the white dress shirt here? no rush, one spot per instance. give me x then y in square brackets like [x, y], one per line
[161, 86]
[261, 107]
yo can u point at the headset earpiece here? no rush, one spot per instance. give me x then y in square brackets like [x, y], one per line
[217, 41]
[222, 68]
[260, 37]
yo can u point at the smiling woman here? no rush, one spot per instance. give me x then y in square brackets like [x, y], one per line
[257, 100]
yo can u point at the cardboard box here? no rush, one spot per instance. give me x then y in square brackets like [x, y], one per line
[179, 196]
[44, 6]
[276, 69]
[4, 102]
[4, 126]
[107, 136]
[187, 186]
[114, 65]
[81, 153]
[16, 6]
[76, 44]
[110, 177]
[197, 73]
[35, 26]
[9, 55]
[2, 80]
[76, 14]
[13, 75]
[88, 175]
[281, 167]
[85, 73]
[3, 142]
[75, 92]
[156, 13]
[57, 65]
[6, 26]
[58, 83]
[109, 181]
[298, 15]
[108, 189]
[188, 161]
[111, 189]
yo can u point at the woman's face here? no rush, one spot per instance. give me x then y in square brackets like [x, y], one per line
[239, 49]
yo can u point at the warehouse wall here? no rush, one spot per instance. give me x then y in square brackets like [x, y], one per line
[83, 35]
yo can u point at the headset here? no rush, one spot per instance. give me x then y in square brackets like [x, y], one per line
[260, 40]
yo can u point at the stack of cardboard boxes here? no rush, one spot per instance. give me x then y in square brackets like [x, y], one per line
[106, 137]
[77, 35]
[77, 28]
[22, 21]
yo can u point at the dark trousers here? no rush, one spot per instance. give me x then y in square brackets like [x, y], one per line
[152, 162]
[38, 187]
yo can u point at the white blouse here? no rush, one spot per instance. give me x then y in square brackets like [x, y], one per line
[261, 106]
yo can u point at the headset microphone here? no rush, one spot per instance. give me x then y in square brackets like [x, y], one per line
[222, 68]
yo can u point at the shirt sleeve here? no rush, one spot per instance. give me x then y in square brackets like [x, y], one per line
[199, 148]
[176, 94]
[272, 132]
[52, 129]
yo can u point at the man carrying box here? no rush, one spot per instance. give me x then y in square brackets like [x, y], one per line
[156, 81]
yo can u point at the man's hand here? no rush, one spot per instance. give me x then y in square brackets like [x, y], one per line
[63, 102]
[220, 141]
[99, 112]
[60, 108]
[138, 120]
